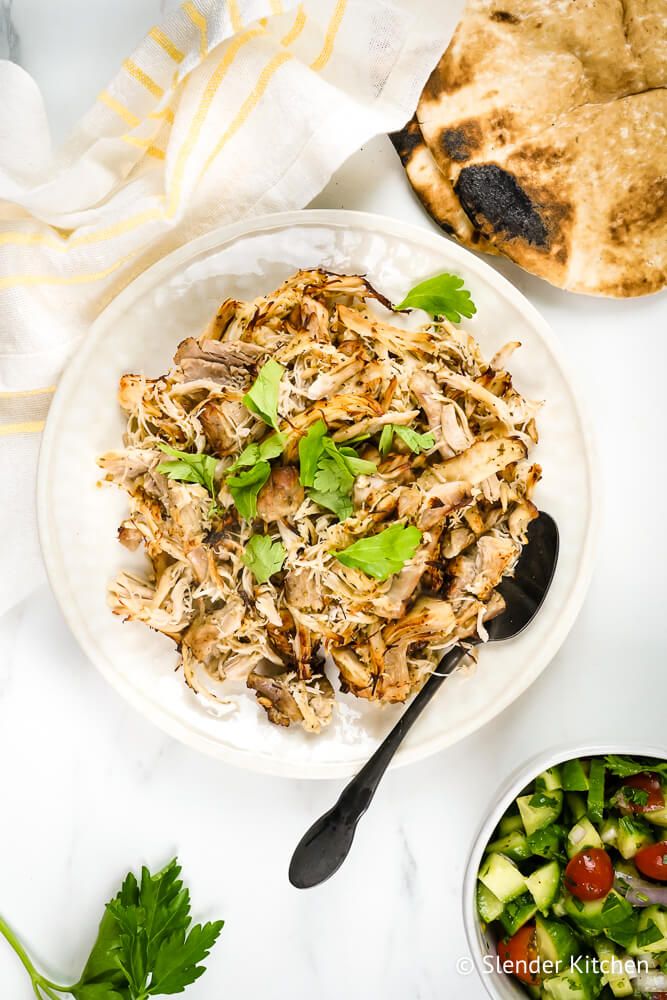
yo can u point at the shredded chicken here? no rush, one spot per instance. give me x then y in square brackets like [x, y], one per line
[349, 362]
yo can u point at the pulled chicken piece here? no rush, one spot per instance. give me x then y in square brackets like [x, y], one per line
[286, 699]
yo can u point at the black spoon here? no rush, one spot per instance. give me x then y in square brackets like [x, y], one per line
[322, 850]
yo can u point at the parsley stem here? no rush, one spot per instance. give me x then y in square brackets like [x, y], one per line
[14, 942]
[38, 981]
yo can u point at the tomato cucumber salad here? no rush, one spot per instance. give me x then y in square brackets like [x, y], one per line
[573, 884]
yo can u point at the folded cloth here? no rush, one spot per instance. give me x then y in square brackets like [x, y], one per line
[227, 110]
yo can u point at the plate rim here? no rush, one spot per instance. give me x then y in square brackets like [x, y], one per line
[262, 761]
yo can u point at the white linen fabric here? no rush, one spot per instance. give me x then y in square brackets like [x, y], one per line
[226, 110]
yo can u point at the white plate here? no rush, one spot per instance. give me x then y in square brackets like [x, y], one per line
[139, 331]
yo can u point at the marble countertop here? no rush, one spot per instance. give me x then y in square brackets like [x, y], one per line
[90, 788]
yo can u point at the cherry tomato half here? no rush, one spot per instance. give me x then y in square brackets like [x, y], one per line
[589, 874]
[648, 783]
[652, 861]
[519, 953]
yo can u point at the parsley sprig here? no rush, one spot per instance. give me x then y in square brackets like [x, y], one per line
[443, 295]
[189, 468]
[264, 557]
[146, 945]
[415, 441]
[328, 470]
[625, 767]
[383, 554]
[252, 471]
[262, 398]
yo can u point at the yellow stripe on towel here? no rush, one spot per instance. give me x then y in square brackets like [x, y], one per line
[145, 144]
[128, 116]
[330, 37]
[200, 22]
[212, 87]
[31, 427]
[165, 42]
[235, 15]
[248, 105]
[296, 29]
[143, 78]
[18, 393]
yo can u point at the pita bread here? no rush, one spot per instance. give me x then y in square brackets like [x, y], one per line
[542, 135]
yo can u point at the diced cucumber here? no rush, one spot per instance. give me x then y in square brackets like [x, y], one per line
[547, 843]
[612, 969]
[502, 877]
[549, 780]
[576, 805]
[558, 908]
[632, 836]
[513, 845]
[582, 835]
[543, 885]
[509, 823]
[575, 778]
[609, 832]
[517, 913]
[489, 906]
[658, 816]
[598, 914]
[539, 810]
[651, 932]
[556, 944]
[573, 985]
[596, 777]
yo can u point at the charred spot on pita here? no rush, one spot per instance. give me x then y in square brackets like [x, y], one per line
[492, 197]
[504, 16]
[460, 143]
[407, 139]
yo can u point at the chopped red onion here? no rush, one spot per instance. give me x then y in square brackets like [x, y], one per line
[641, 893]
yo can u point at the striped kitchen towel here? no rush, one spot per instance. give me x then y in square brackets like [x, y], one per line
[229, 109]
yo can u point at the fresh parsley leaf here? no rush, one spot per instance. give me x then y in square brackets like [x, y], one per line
[540, 801]
[264, 557]
[310, 452]
[261, 451]
[386, 438]
[145, 947]
[357, 466]
[634, 796]
[625, 767]
[177, 965]
[190, 468]
[383, 554]
[339, 503]
[332, 475]
[547, 842]
[632, 825]
[262, 399]
[415, 441]
[443, 295]
[245, 487]
[649, 935]
[102, 976]
[328, 471]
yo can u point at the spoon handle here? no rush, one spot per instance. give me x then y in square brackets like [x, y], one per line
[358, 794]
[326, 844]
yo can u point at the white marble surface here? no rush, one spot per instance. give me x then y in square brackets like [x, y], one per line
[89, 788]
